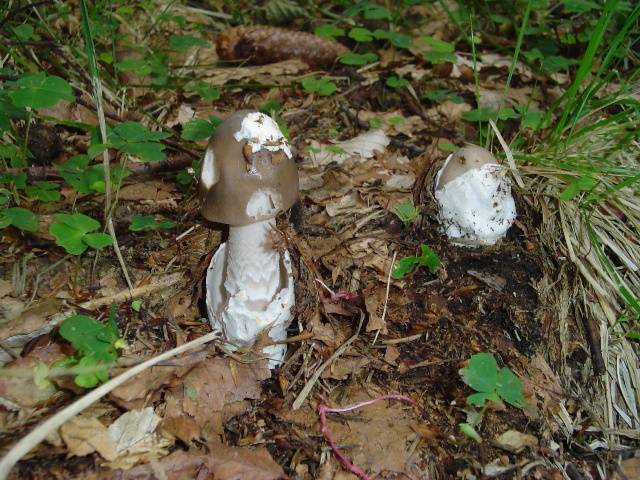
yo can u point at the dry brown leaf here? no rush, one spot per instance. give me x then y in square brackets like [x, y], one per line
[84, 435]
[209, 395]
[356, 149]
[219, 462]
[374, 299]
[514, 441]
[132, 394]
[153, 190]
[21, 389]
[273, 73]
[393, 123]
[343, 367]
[381, 435]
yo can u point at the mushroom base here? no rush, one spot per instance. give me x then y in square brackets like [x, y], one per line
[238, 319]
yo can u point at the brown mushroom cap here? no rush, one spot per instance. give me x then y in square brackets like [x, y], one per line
[241, 174]
[464, 160]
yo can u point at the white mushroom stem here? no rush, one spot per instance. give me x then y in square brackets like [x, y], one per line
[253, 265]
[250, 283]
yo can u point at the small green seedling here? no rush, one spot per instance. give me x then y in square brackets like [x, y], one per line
[322, 86]
[407, 212]
[493, 384]
[206, 92]
[96, 347]
[136, 305]
[77, 232]
[149, 222]
[396, 82]
[427, 258]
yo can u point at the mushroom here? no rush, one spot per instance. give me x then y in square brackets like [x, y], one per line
[475, 205]
[248, 177]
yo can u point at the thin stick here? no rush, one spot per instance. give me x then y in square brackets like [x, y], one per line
[33, 438]
[304, 393]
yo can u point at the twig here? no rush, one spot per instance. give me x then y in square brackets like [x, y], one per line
[33, 438]
[137, 169]
[129, 294]
[324, 427]
[304, 393]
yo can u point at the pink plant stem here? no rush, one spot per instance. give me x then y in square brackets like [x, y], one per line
[324, 427]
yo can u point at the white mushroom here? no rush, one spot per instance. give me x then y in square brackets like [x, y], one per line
[475, 205]
[248, 177]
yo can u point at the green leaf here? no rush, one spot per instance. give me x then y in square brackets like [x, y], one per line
[182, 42]
[429, 259]
[371, 11]
[439, 57]
[632, 336]
[481, 374]
[328, 31]
[136, 305]
[97, 240]
[136, 132]
[398, 40]
[437, 45]
[145, 151]
[482, 114]
[136, 65]
[77, 221]
[480, 398]
[509, 388]
[404, 266]
[360, 34]
[149, 222]
[470, 432]
[358, 59]
[20, 218]
[82, 331]
[90, 337]
[205, 91]
[23, 32]
[68, 238]
[322, 86]
[407, 212]
[43, 191]
[197, 129]
[40, 90]
[396, 82]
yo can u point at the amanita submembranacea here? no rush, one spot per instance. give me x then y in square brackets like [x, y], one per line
[473, 192]
[248, 177]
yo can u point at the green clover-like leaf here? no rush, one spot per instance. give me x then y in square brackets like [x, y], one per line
[40, 90]
[357, 58]
[328, 31]
[20, 218]
[481, 374]
[322, 86]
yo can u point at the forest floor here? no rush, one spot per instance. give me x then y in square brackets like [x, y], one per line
[554, 302]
